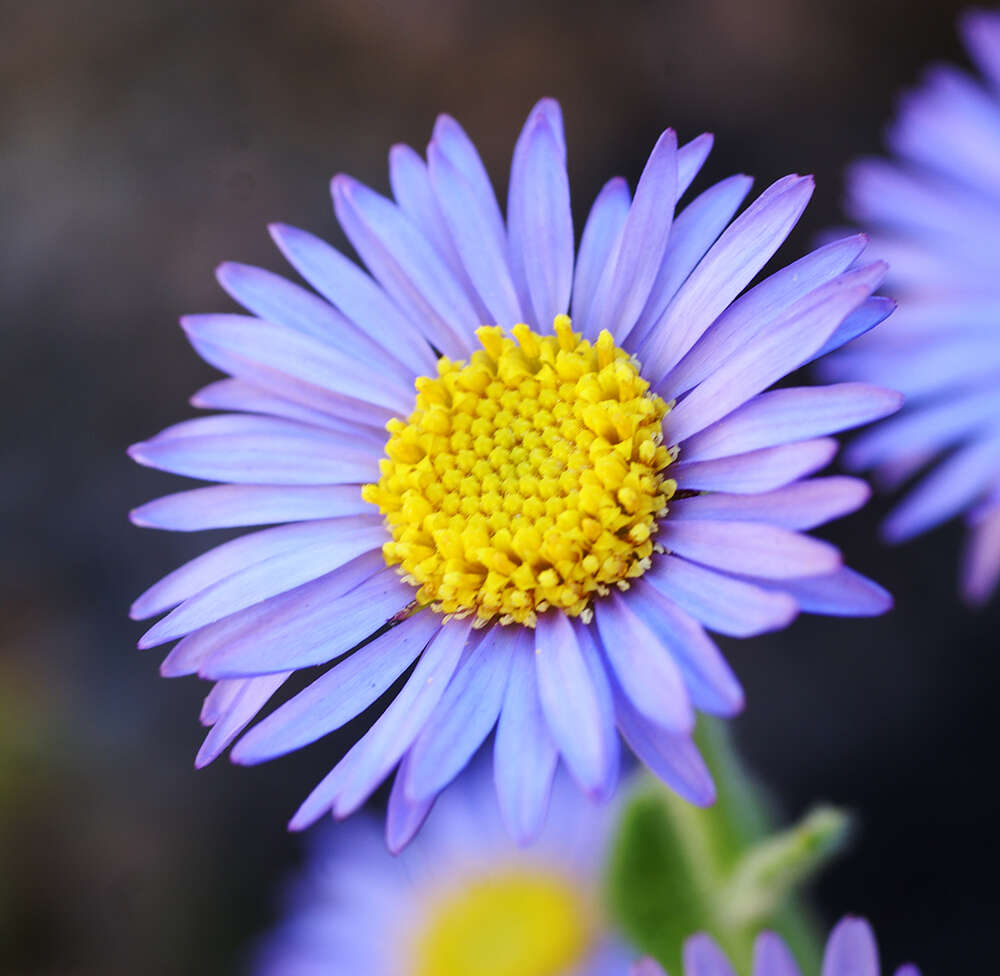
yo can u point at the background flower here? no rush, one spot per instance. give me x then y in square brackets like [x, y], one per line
[935, 215]
[462, 900]
[851, 951]
[527, 491]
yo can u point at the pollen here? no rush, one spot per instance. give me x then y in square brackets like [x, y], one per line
[529, 477]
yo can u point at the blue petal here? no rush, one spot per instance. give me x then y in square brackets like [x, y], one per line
[374, 755]
[524, 756]
[297, 631]
[720, 602]
[224, 560]
[540, 223]
[411, 186]
[694, 231]
[407, 266]
[750, 548]
[761, 305]
[742, 250]
[702, 957]
[708, 678]
[776, 351]
[600, 234]
[644, 668]
[843, 593]
[690, 158]
[463, 718]
[792, 414]
[570, 701]
[635, 259]
[336, 697]
[301, 357]
[802, 505]
[673, 758]
[482, 252]
[275, 299]
[254, 694]
[345, 285]
[851, 950]
[756, 471]
[951, 487]
[236, 394]
[404, 817]
[772, 958]
[228, 506]
[330, 547]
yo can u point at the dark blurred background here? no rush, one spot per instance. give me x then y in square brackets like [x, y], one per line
[141, 143]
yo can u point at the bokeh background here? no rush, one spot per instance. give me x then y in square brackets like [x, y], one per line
[143, 142]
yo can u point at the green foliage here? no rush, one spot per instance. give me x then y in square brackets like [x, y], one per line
[676, 869]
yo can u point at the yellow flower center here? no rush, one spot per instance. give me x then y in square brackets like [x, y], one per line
[530, 477]
[520, 924]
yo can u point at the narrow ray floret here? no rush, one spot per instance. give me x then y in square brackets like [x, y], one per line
[513, 481]
[934, 211]
[462, 900]
[850, 951]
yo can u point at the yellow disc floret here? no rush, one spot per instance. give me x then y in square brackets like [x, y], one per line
[518, 924]
[530, 477]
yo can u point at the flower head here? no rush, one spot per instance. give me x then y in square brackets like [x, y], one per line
[462, 900]
[562, 504]
[851, 951]
[935, 214]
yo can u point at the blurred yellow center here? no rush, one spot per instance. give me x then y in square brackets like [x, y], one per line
[530, 477]
[516, 925]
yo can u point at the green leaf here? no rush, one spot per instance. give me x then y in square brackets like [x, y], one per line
[676, 869]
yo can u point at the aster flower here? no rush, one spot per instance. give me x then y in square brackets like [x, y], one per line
[851, 951]
[935, 212]
[462, 900]
[561, 507]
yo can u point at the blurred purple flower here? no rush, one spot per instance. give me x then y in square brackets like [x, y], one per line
[701, 519]
[851, 951]
[462, 899]
[935, 215]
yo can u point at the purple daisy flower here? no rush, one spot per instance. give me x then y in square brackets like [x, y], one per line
[462, 900]
[935, 212]
[561, 507]
[851, 951]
